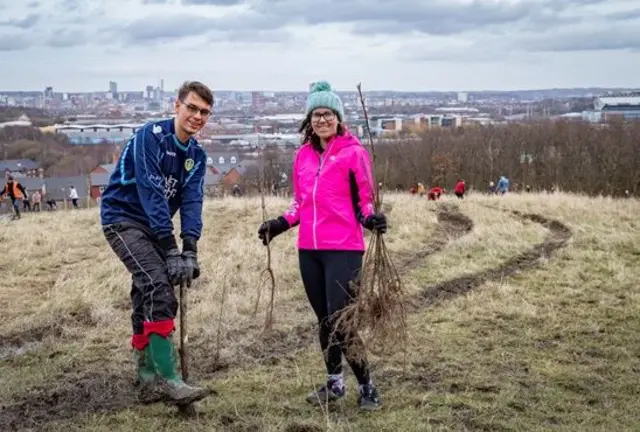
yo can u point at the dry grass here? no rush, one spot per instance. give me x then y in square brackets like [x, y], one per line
[555, 346]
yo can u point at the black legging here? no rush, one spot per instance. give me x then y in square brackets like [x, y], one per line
[326, 276]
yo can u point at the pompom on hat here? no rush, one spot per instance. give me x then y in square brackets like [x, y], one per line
[322, 95]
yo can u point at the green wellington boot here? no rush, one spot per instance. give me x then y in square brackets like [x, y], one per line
[146, 378]
[161, 354]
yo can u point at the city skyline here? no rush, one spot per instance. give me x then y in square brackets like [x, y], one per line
[248, 45]
[453, 92]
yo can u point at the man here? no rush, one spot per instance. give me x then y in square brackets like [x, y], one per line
[16, 192]
[161, 170]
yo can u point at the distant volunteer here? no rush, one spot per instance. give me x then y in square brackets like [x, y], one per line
[16, 192]
[460, 189]
[333, 196]
[160, 172]
[503, 185]
[73, 195]
[435, 193]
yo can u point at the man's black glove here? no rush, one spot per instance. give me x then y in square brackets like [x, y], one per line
[376, 222]
[272, 228]
[175, 266]
[190, 258]
[192, 269]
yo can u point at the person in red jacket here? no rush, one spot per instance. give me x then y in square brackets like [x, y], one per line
[460, 189]
[434, 193]
[332, 203]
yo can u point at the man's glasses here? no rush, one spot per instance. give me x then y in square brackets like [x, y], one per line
[327, 115]
[193, 110]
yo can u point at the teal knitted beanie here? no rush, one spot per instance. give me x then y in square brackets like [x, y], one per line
[322, 95]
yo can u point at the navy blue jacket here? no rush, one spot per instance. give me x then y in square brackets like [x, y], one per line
[155, 176]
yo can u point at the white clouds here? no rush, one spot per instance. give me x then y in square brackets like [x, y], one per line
[284, 44]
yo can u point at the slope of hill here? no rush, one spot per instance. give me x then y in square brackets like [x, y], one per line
[525, 315]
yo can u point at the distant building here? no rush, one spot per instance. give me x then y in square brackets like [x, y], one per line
[21, 168]
[99, 179]
[231, 178]
[389, 124]
[97, 133]
[609, 107]
[223, 162]
[258, 100]
[430, 121]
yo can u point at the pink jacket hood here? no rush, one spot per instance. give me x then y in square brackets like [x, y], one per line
[332, 195]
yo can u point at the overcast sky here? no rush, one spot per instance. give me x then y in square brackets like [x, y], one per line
[79, 45]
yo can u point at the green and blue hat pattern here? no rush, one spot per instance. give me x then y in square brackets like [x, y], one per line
[322, 95]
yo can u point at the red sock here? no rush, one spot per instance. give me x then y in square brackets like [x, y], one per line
[139, 341]
[162, 328]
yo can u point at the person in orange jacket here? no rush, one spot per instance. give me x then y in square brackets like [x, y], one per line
[460, 189]
[16, 192]
[434, 193]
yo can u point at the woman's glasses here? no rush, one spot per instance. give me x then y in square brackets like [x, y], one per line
[327, 115]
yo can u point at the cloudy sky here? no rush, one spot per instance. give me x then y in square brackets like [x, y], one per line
[79, 45]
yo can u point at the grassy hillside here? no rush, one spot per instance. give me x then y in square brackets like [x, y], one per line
[525, 315]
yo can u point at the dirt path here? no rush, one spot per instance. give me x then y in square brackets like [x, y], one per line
[89, 392]
[558, 237]
[451, 225]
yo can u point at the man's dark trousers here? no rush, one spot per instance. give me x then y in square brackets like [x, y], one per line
[153, 299]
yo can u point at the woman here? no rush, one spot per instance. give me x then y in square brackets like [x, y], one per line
[332, 201]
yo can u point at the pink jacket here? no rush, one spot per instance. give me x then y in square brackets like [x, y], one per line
[329, 190]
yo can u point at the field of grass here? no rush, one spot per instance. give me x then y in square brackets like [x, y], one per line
[525, 315]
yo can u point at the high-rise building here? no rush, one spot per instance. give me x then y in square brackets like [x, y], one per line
[113, 89]
[258, 101]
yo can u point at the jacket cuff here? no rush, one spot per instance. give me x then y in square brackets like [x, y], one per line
[189, 244]
[168, 243]
[288, 220]
[284, 222]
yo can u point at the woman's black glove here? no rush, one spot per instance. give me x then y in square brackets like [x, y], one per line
[376, 222]
[271, 229]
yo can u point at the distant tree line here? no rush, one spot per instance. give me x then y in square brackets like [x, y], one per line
[37, 116]
[53, 152]
[571, 156]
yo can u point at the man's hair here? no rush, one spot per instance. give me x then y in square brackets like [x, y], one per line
[198, 88]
